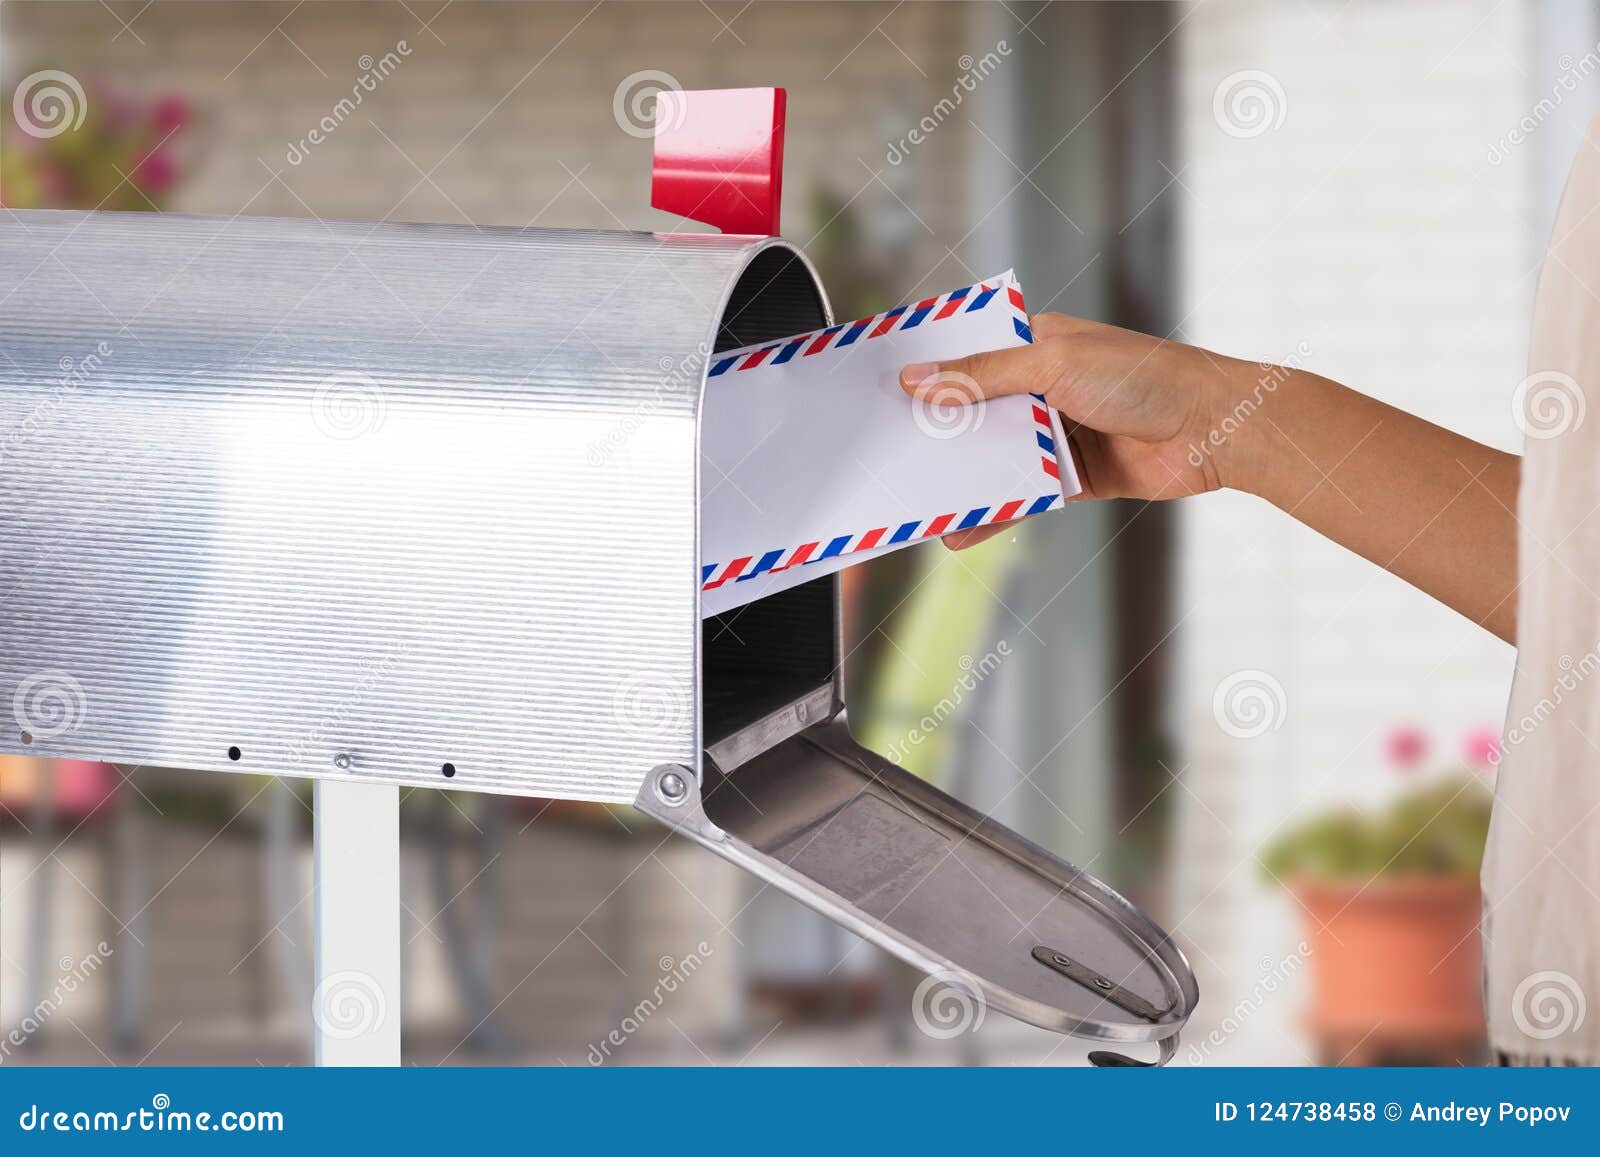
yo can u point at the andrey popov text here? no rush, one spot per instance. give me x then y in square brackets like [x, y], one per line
[1445, 1113]
[1452, 1112]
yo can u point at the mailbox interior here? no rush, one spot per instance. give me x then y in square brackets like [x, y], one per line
[759, 658]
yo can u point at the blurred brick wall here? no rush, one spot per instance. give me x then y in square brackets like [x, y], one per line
[503, 112]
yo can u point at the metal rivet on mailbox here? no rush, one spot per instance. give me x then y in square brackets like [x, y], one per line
[672, 785]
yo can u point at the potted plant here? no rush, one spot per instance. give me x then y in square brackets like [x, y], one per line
[1391, 906]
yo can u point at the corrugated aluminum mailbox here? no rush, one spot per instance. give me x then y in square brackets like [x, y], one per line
[417, 504]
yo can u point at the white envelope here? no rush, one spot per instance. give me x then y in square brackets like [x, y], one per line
[812, 458]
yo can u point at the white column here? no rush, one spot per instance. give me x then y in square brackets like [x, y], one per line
[356, 1005]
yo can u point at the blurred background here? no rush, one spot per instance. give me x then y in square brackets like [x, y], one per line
[1279, 751]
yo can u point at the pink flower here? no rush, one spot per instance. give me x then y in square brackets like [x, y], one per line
[155, 172]
[170, 114]
[1482, 747]
[1405, 747]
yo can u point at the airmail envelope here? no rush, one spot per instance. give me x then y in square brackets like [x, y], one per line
[812, 458]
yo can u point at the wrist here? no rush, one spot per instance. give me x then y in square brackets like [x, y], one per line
[1246, 419]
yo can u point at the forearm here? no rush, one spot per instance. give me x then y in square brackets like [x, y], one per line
[1437, 509]
[1152, 419]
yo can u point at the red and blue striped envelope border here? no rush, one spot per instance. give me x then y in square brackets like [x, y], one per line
[967, 299]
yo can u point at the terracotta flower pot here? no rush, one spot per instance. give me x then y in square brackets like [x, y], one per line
[1394, 959]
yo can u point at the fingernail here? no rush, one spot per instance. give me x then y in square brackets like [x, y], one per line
[915, 375]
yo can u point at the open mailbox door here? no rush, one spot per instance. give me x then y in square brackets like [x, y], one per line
[939, 885]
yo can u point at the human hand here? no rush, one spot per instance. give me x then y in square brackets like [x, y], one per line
[1139, 411]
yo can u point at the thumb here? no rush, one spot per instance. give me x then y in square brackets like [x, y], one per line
[1020, 370]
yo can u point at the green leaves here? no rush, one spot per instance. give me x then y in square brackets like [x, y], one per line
[1436, 830]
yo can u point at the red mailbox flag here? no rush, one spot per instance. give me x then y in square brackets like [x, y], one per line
[719, 157]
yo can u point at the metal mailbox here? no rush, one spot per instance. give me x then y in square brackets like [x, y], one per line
[418, 504]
